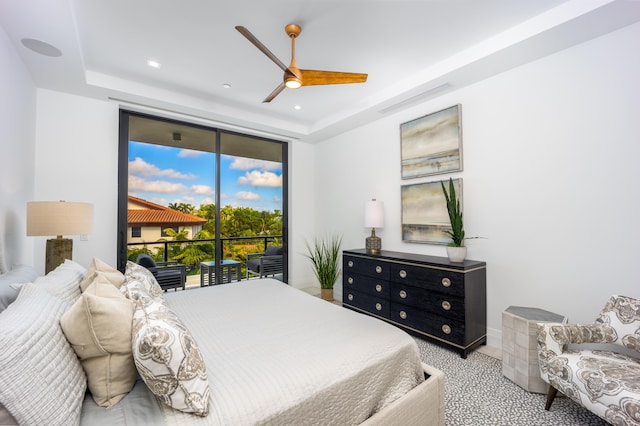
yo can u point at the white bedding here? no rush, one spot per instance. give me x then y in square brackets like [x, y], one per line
[275, 355]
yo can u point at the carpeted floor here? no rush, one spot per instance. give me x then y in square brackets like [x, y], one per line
[477, 394]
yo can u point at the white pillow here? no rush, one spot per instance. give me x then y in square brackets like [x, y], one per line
[64, 281]
[42, 381]
[18, 274]
[169, 360]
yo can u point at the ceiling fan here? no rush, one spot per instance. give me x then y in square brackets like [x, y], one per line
[294, 77]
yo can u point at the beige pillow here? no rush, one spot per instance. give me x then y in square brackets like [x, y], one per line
[98, 326]
[169, 360]
[114, 276]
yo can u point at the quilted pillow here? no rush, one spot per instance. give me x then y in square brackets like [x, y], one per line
[42, 381]
[114, 276]
[98, 326]
[64, 281]
[140, 282]
[19, 274]
[169, 360]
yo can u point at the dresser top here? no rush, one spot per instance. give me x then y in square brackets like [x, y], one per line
[419, 258]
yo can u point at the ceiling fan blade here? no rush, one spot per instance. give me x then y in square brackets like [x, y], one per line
[275, 93]
[315, 78]
[257, 43]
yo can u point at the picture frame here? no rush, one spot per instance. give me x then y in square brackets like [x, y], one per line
[432, 144]
[424, 212]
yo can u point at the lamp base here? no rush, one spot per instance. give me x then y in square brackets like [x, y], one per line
[58, 249]
[373, 244]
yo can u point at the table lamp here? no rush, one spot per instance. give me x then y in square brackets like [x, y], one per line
[48, 218]
[374, 218]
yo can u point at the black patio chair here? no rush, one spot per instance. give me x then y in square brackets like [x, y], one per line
[268, 262]
[169, 274]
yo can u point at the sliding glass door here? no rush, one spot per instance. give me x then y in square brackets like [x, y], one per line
[199, 196]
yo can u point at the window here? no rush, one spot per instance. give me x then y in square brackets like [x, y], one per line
[221, 194]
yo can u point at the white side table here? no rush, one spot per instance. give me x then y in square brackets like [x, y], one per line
[520, 346]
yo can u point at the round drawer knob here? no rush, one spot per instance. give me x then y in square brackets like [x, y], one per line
[378, 269]
[446, 305]
[378, 288]
[446, 282]
[403, 273]
[446, 329]
[350, 280]
[350, 297]
[350, 263]
[403, 315]
[378, 307]
[403, 294]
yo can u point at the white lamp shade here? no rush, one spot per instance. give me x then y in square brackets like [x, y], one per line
[374, 214]
[47, 218]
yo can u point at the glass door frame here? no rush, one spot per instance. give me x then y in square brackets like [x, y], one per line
[123, 185]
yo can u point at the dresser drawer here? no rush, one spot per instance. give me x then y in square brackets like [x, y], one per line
[437, 303]
[444, 328]
[366, 284]
[367, 303]
[439, 280]
[369, 267]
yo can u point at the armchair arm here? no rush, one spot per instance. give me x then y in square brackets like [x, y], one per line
[555, 337]
[251, 256]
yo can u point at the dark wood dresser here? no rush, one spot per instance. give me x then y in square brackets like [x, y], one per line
[425, 295]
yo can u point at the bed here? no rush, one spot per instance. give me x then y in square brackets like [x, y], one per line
[274, 355]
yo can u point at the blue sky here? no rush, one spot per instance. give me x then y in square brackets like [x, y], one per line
[163, 175]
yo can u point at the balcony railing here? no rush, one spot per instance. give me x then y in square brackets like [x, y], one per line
[232, 248]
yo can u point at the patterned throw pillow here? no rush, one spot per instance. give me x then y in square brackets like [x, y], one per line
[169, 360]
[114, 276]
[140, 285]
[98, 326]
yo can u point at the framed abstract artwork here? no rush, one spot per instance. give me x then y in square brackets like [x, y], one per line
[424, 212]
[432, 144]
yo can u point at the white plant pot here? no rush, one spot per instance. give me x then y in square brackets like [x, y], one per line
[456, 254]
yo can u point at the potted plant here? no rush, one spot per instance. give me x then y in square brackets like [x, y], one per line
[325, 259]
[456, 251]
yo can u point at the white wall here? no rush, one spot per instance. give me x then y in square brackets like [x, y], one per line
[77, 160]
[551, 175]
[17, 121]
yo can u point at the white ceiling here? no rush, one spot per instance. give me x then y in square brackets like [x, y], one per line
[408, 48]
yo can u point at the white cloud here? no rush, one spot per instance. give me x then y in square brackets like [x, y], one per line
[189, 153]
[247, 196]
[139, 184]
[207, 200]
[141, 167]
[257, 178]
[202, 190]
[252, 164]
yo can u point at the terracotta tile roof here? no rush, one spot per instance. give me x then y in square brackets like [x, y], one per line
[156, 214]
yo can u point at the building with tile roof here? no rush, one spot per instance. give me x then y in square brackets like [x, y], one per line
[147, 221]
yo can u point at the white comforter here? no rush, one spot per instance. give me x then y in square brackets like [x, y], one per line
[275, 355]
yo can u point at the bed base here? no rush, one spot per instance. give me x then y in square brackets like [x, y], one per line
[423, 405]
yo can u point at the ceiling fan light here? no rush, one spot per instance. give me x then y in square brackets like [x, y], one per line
[292, 82]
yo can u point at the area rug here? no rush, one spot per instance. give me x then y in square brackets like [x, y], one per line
[477, 394]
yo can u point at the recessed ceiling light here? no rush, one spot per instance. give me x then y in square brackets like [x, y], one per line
[297, 107]
[153, 64]
[226, 86]
[41, 47]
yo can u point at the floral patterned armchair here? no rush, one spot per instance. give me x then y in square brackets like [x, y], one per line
[605, 382]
